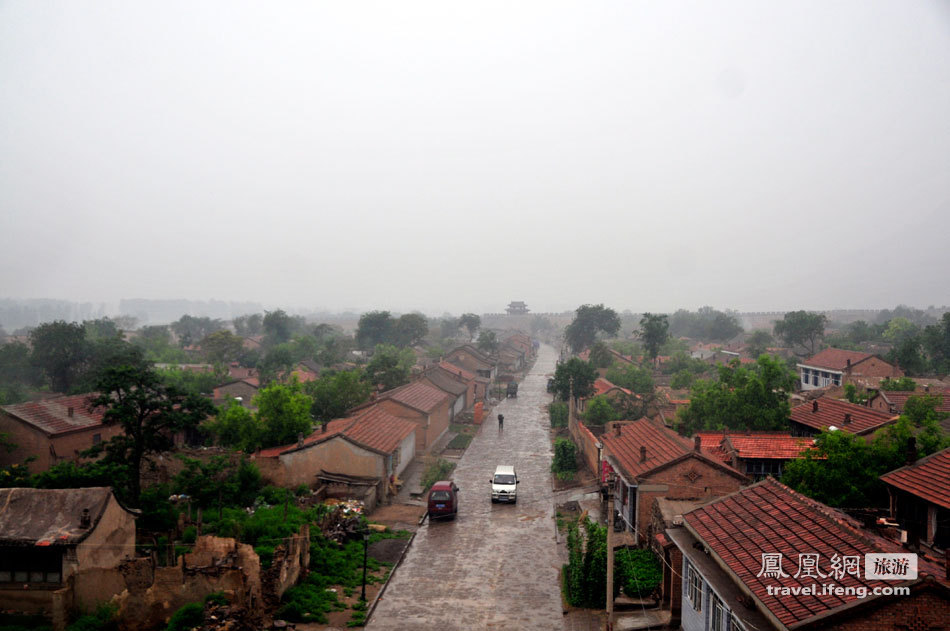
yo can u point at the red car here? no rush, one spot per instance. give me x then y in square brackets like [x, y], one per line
[443, 499]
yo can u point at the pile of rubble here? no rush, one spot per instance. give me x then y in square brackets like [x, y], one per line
[342, 522]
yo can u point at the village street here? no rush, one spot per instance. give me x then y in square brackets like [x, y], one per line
[496, 565]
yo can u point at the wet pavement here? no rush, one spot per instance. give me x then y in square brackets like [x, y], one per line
[496, 565]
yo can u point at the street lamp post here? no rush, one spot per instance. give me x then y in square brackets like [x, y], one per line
[365, 546]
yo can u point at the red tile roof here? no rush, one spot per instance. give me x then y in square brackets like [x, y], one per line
[333, 428]
[835, 358]
[711, 443]
[768, 517]
[928, 478]
[51, 416]
[663, 445]
[461, 372]
[603, 386]
[769, 445]
[417, 395]
[899, 398]
[824, 412]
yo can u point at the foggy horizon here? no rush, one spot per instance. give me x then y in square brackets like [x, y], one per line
[453, 158]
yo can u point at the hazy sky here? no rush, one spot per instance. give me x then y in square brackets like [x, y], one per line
[456, 156]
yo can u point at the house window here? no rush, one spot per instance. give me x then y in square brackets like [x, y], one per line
[805, 376]
[31, 565]
[96, 439]
[734, 625]
[836, 379]
[718, 622]
[694, 588]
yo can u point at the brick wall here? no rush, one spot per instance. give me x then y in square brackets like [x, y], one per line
[586, 445]
[926, 608]
[47, 450]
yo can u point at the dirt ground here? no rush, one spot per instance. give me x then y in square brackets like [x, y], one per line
[398, 516]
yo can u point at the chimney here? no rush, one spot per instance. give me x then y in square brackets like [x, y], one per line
[323, 427]
[927, 388]
[814, 405]
[847, 418]
[69, 412]
[848, 363]
[84, 520]
[300, 438]
[911, 450]
[643, 454]
[698, 442]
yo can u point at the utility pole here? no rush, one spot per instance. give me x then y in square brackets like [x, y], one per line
[610, 552]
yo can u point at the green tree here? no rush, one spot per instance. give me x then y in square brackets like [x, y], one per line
[249, 324]
[599, 411]
[390, 367]
[754, 398]
[156, 341]
[487, 341]
[589, 320]
[133, 396]
[222, 346]
[218, 481]
[802, 331]
[759, 342]
[374, 327]
[277, 361]
[336, 393]
[284, 412]
[565, 456]
[449, 327]
[682, 379]
[936, 341]
[190, 329]
[278, 327]
[842, 471]
[17, 373]
[409, 329]
[900, 329]
[100, 328]
[577, 374]
[654, 331]
[907, 354]
[600, 355]
[235, 426]
[471, 322]
[60, 351]
[632, 377]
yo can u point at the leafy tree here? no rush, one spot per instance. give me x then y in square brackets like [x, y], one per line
[907, 354]
[742, 398]
[557, 411]
[278, 327]
[565, 456]
[100, 329]
[921, 408]
[156, 341]
[681, 380]
[390, 367]
[899, 330]
[336, 393]
[589, 320]
[638, 571]
[471, 322]
[190, 329]
[487, 341]
[249, 324]
[852, 394]
[904, 384]
[705, 324]
[59, 350]
[802, 330]
[654, 331]
[150, 413]
[284, 412]
[632, 377]
[409, 329]
[860, 331]
[577, 374]
[276, 361]
[936, 341]
[599, 411]
[600, 355]
[235, 426]
[375, 327]
[842, 471]
[448, 327]
[218, 481]
[323, 331]
[335, 349]
[759, 342]
[17, 373]
[680, 360]
[222, 346]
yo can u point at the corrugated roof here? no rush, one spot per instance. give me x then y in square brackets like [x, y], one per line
[928, 478]
[49, 516]
[824, 412]
[52, 416]
[417, 395]
[770, 518]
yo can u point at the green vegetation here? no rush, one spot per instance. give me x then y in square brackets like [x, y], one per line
[188, 617]
[333, 394]
[904, 384]
[589, 321]
[438, 470]
[487, 341]
[632, 377]
[705, 324]
[599, 411]
[460, 441]
[565, 458]
[102, 619]
[558, 412]
[802, 331]
[638, 572]
[390, 367]
[585, 575]
[654, 331]
[575, 375]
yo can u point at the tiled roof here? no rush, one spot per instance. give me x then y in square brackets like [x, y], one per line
[899, 398]
[445, 382]
[417, 395]
[928, 478]
[768, 518]
[461, 372]
[663, 445]
[603, 386]
[51, 416]
[711, 442]
[835, 358]
[769, 445]
[333, 428]
[49, 516]
[824, 413]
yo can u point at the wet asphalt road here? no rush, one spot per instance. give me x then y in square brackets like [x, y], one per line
[495, 566]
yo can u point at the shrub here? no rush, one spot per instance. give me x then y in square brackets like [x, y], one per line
[308, 602]
[638, 572]
[565, 456]
[189, 535]
[188, 617]
[558, 412]
[102, 619]
[599, 411]
[460, 441]
[302, 490]
[217, 599]
[438, 470]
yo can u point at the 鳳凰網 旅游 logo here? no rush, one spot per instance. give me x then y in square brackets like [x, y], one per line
[892, 566]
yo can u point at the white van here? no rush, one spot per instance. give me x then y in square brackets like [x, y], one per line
[504, 484]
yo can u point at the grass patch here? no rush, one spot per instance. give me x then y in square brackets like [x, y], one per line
[438, 470]
[461, 441]
[460, 428]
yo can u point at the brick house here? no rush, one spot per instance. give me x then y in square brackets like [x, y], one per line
[444, 381]
[427, 407]
[60, 548]
[893, 401]
[756, 454]
[739, 549]
[823, 414]
[52, 430]
[920, 499]
[653, 461]
[473, 360]
[366, 449]
[834, 366]
[477, 386]
[244, 389]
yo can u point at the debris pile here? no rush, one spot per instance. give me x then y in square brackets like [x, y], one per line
[342, 521]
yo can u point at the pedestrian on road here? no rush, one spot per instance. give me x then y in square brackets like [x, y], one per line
[501, 419]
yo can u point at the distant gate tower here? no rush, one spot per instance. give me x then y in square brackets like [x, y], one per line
[517, 308]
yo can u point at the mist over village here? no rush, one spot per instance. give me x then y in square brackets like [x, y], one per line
[413, 315]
